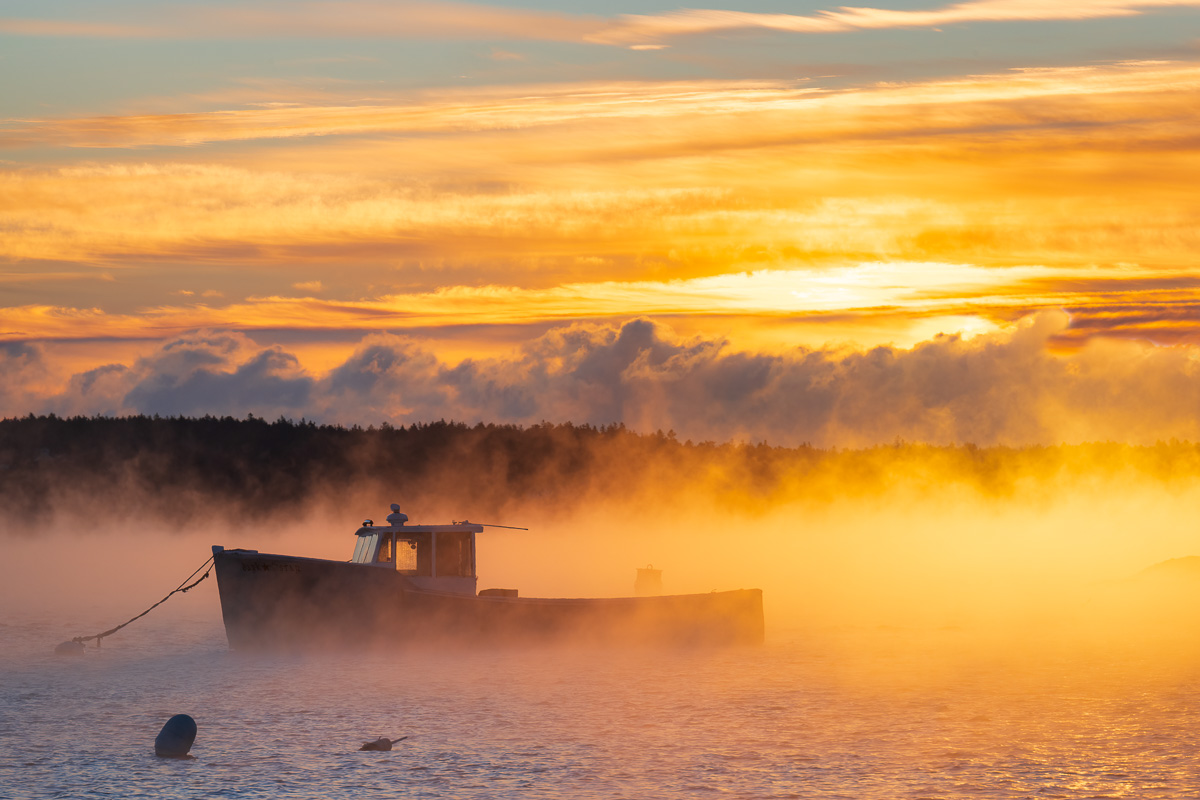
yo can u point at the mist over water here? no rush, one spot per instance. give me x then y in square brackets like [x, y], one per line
[939, 642]
[797, 717]
[985, 565]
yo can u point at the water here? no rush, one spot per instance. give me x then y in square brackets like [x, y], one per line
[847, 714]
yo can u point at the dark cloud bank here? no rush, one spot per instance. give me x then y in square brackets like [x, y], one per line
[1001, 389]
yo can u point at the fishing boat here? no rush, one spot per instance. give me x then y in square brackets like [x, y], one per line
[416, 584]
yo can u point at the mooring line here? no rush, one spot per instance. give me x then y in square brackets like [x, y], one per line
[179, 588]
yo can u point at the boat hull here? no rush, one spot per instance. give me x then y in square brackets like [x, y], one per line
[286, 602]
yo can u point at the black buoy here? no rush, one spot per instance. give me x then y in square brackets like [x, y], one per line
[71, 648]
[382, 743]
[176, 737]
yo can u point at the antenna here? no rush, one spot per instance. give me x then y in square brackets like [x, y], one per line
[486, 525]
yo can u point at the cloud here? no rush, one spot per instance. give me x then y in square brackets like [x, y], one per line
[97, 391]
[869, 302]
[988, 195]
[268, 382]
[689, 22]
[193, 375]
[42, 276]
[197, 374]
[1009, 387]
[962, 105]
[389, 377]
[1005, 388]
[505, 55]
[23, 371]
[417, 113]
[459, 21]
[1030, 167]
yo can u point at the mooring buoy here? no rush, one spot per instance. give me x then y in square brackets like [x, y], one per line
[382, 743]
[70, 648]
[176, 737]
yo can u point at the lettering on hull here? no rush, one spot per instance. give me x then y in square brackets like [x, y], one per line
[266, 566]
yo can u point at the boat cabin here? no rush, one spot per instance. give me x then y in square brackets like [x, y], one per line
[434, 557]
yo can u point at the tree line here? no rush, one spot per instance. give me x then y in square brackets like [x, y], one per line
[186, 468]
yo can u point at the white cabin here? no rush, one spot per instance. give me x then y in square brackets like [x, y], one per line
[438, 558]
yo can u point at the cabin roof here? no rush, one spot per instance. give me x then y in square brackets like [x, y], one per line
[462, 527]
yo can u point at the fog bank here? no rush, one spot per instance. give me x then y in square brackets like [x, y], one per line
[1015, 547]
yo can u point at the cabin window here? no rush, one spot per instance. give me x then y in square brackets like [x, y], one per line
[413, 556]
[406, 556]
[364, 547]
[454, 555]
[385, 549]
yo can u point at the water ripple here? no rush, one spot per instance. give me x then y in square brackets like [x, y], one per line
[786, 720]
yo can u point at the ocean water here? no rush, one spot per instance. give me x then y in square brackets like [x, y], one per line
[843, 714]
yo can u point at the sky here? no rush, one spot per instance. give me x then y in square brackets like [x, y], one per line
[784, 222]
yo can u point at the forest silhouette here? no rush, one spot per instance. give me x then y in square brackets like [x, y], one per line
[214, 468]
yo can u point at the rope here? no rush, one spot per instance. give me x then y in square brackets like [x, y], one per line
[179, 588]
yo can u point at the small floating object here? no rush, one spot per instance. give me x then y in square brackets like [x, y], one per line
[648, 582]
[176, 737]
[382, 743]
[71, 648]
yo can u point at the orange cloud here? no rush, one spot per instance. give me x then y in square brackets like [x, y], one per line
[1035, 100]
[989, 197]
[43, 276]
[764, 310]
[444, 111]
[1004, 169]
